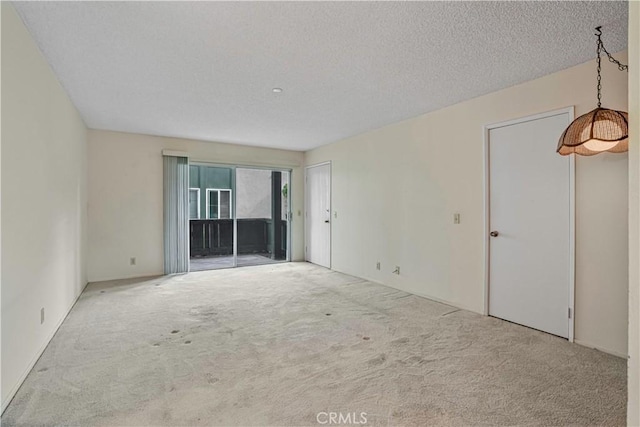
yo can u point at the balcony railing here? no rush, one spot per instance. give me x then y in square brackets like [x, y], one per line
[211, 237]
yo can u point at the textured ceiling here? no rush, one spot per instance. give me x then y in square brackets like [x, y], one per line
[206, 70]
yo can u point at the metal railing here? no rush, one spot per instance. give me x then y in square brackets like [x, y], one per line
[211, 237]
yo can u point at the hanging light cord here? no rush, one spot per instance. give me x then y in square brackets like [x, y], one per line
[600, 49]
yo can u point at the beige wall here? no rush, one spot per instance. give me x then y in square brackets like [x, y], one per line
[125, 197]
[43, 202]
[395, 191]
[633, 372]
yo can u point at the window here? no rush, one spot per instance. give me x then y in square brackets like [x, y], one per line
[194, 203]
[218, 204]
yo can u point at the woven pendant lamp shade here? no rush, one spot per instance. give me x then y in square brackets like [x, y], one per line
[597, 131]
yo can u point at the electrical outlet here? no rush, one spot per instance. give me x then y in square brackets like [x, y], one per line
[42, 315]
[132, 261]
[456, 218]
[335, 214]
[378, 265]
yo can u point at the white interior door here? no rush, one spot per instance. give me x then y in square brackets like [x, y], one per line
[318, 215]
[530, 219]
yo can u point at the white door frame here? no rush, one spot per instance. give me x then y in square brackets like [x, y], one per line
[306, 209]
[572, 210]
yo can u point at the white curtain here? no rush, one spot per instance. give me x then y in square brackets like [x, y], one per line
[176, 214]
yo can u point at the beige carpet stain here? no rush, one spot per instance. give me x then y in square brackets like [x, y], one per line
[278, 344]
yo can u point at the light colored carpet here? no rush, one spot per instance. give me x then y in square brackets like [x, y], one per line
[277, 344]
[226, 261]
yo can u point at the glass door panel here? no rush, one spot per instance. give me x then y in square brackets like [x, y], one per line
[262, 203]
[211, 223]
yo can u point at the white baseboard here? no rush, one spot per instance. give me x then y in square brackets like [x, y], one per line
[136, 275]
[419, 294]
[604, 350]
[35, 359]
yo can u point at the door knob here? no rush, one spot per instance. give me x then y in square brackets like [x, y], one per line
[327, 221]
[494, 234]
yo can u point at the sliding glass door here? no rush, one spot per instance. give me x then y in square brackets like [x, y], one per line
[262, 224]
[239, 216]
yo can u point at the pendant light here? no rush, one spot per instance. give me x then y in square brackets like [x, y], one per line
[601, 129]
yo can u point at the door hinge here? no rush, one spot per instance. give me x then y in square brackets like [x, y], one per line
[569, 312]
